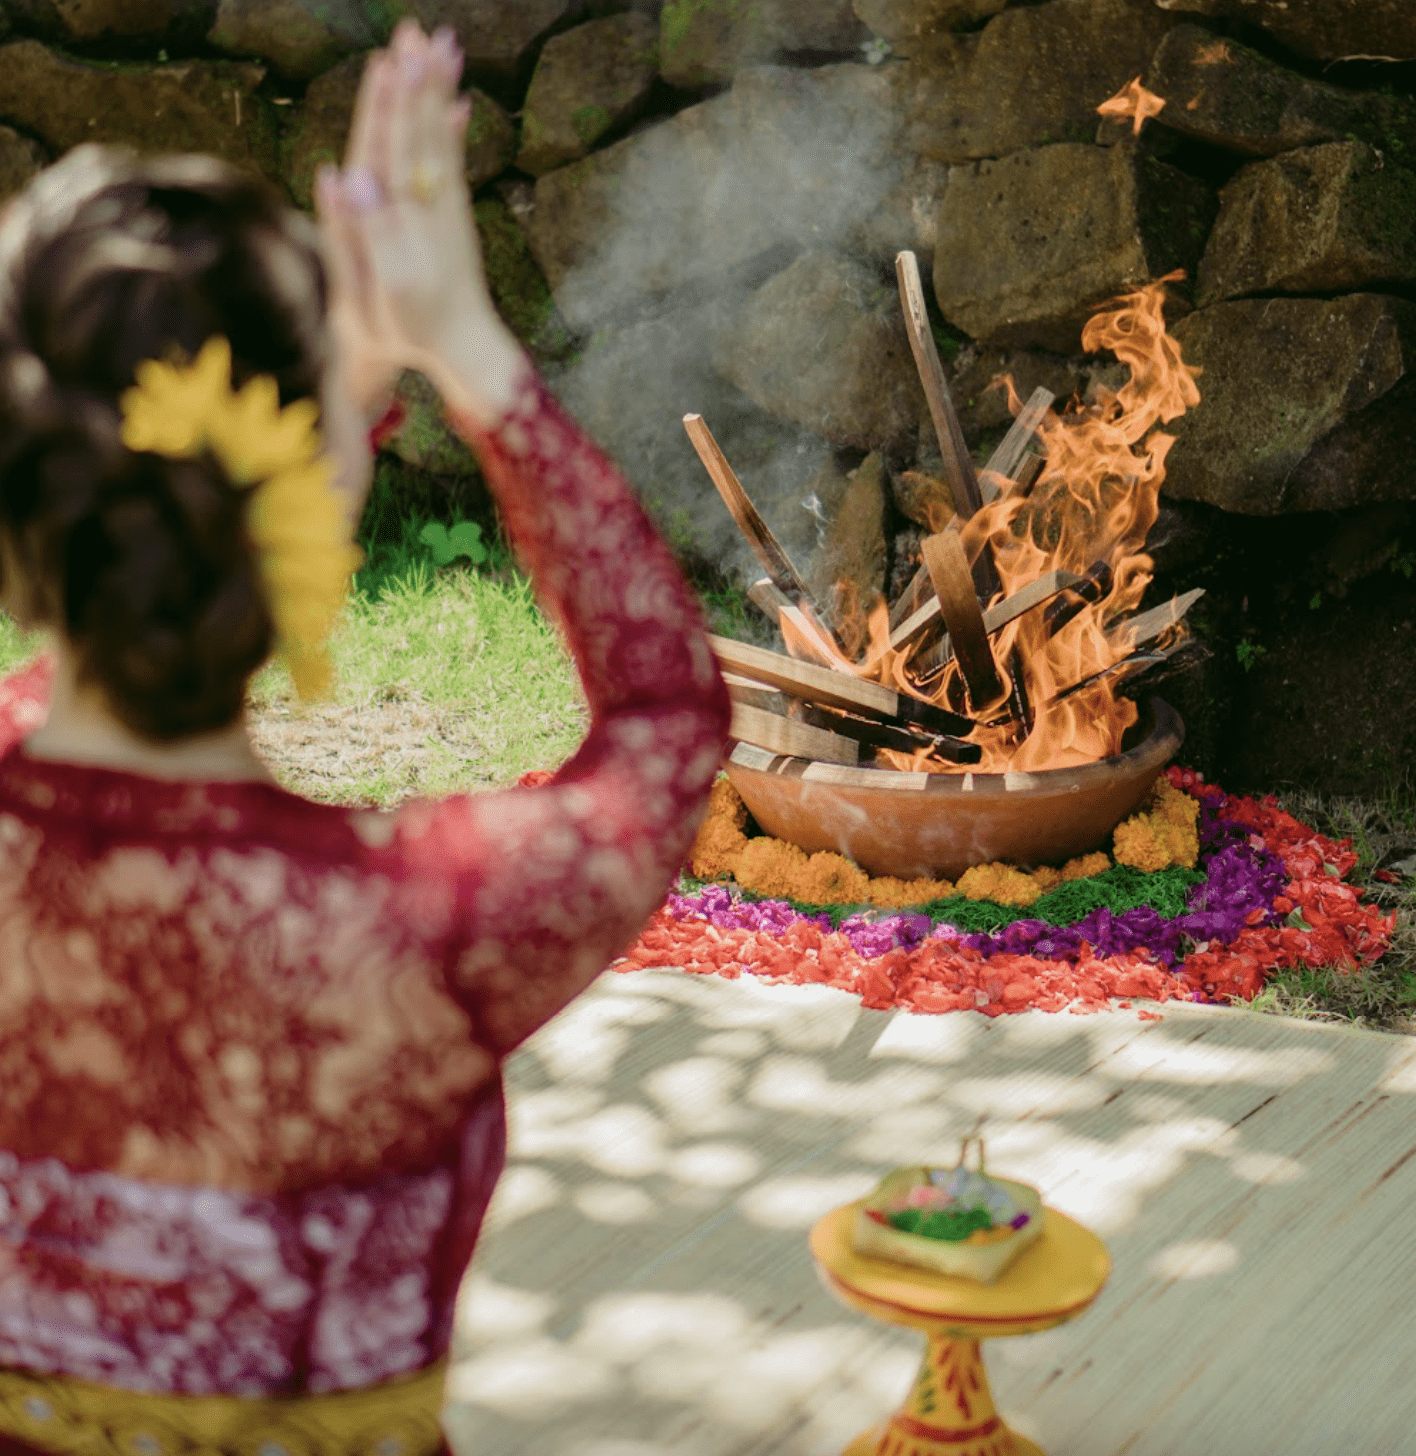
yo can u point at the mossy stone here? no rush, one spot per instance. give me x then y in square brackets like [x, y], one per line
[518, 286]
[588, 82]
[707, 42]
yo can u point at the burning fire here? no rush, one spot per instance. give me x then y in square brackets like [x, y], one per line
[1132, 103]
[1094, 502]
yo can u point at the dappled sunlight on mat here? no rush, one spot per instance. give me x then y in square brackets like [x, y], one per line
[644, 1287]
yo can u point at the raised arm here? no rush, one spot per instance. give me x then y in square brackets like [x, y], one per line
[547, 884]
[555, 881]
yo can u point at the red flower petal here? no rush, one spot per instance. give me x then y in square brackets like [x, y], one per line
[937, 976]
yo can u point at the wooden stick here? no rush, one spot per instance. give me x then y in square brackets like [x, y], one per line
[756, 695]
[953, 585]
[1180, 657]
[777, 608]
[768, 600]
[914, 624]
[1136, 632]
[835, 689]
[1095, 584]
[957, 464]
[804, 680]
[914, 596]
[1006, 459]
[791, 736]
[1027, 472]
[958, 467]
[1136, 662]
[889, 735]
[1131, 639]
[1125, 664]
[768, 550]
[1034, 594]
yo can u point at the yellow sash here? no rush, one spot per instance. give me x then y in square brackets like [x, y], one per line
[76, 1418]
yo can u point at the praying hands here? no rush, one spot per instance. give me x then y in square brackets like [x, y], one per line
[408, 290]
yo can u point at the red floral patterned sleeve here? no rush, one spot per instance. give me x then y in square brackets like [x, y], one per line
[553, 882]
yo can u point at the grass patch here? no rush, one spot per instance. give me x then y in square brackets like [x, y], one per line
[390, 535]
[469, 677]
[1382, 828]
[16, 645]
[1380, 997]
[449, 679]
[1118, 889]
[731, 614]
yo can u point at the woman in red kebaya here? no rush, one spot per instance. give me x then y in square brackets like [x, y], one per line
[250, 1107]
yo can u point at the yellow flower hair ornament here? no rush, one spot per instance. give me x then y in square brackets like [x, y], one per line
[294, 518]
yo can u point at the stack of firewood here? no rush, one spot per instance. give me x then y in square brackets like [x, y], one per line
[818, 702]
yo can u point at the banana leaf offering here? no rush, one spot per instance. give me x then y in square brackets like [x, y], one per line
[956, 1221]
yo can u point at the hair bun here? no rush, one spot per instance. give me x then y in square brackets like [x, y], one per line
[106, 260]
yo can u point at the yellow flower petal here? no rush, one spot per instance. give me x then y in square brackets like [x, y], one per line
[830, 879]
[1086, 865]
[1000, 883]
[1163, 834]
[295, 518]
[770, 867]
[899, 894]
[169, 409]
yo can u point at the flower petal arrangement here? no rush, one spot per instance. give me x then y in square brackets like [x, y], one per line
[1210, 893]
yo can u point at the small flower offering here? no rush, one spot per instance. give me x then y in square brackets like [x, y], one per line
[950, 1220]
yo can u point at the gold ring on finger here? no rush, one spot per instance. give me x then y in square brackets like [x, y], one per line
[425, 184]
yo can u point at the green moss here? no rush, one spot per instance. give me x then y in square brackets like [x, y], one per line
[518, 286]
[590, 123]
[676, 22]
[426, 436]
[483, 122]
[382, 16]
[1178, 212]
[1384, 204]
[98, 63]
[731, 613]
[680, 530]
[302, 179]
[948, 340]
[679, 19]
[1117, 889]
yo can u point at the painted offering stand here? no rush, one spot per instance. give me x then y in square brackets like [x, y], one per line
[950, 1411]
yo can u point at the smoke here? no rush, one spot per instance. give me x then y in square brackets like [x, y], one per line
[654, 249]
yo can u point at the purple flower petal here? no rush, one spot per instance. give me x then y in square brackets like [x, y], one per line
[1239, 879]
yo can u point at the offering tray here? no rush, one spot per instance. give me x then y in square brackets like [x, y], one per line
[949, 1221]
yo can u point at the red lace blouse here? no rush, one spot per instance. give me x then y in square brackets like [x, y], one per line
[250, 1113]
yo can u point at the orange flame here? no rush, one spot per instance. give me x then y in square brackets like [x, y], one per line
[1132, 102]
[1095, 500]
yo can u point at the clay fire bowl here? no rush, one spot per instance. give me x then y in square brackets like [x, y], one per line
[927, 825]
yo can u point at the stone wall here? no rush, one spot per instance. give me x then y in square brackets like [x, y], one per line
[695, 204]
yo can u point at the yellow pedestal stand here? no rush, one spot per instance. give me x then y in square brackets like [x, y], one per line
[950, 1411]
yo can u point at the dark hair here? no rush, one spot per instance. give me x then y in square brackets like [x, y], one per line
[108, 259]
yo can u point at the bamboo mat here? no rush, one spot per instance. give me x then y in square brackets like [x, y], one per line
[644, 1288]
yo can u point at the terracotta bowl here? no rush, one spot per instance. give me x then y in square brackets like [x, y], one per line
[927, 825]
